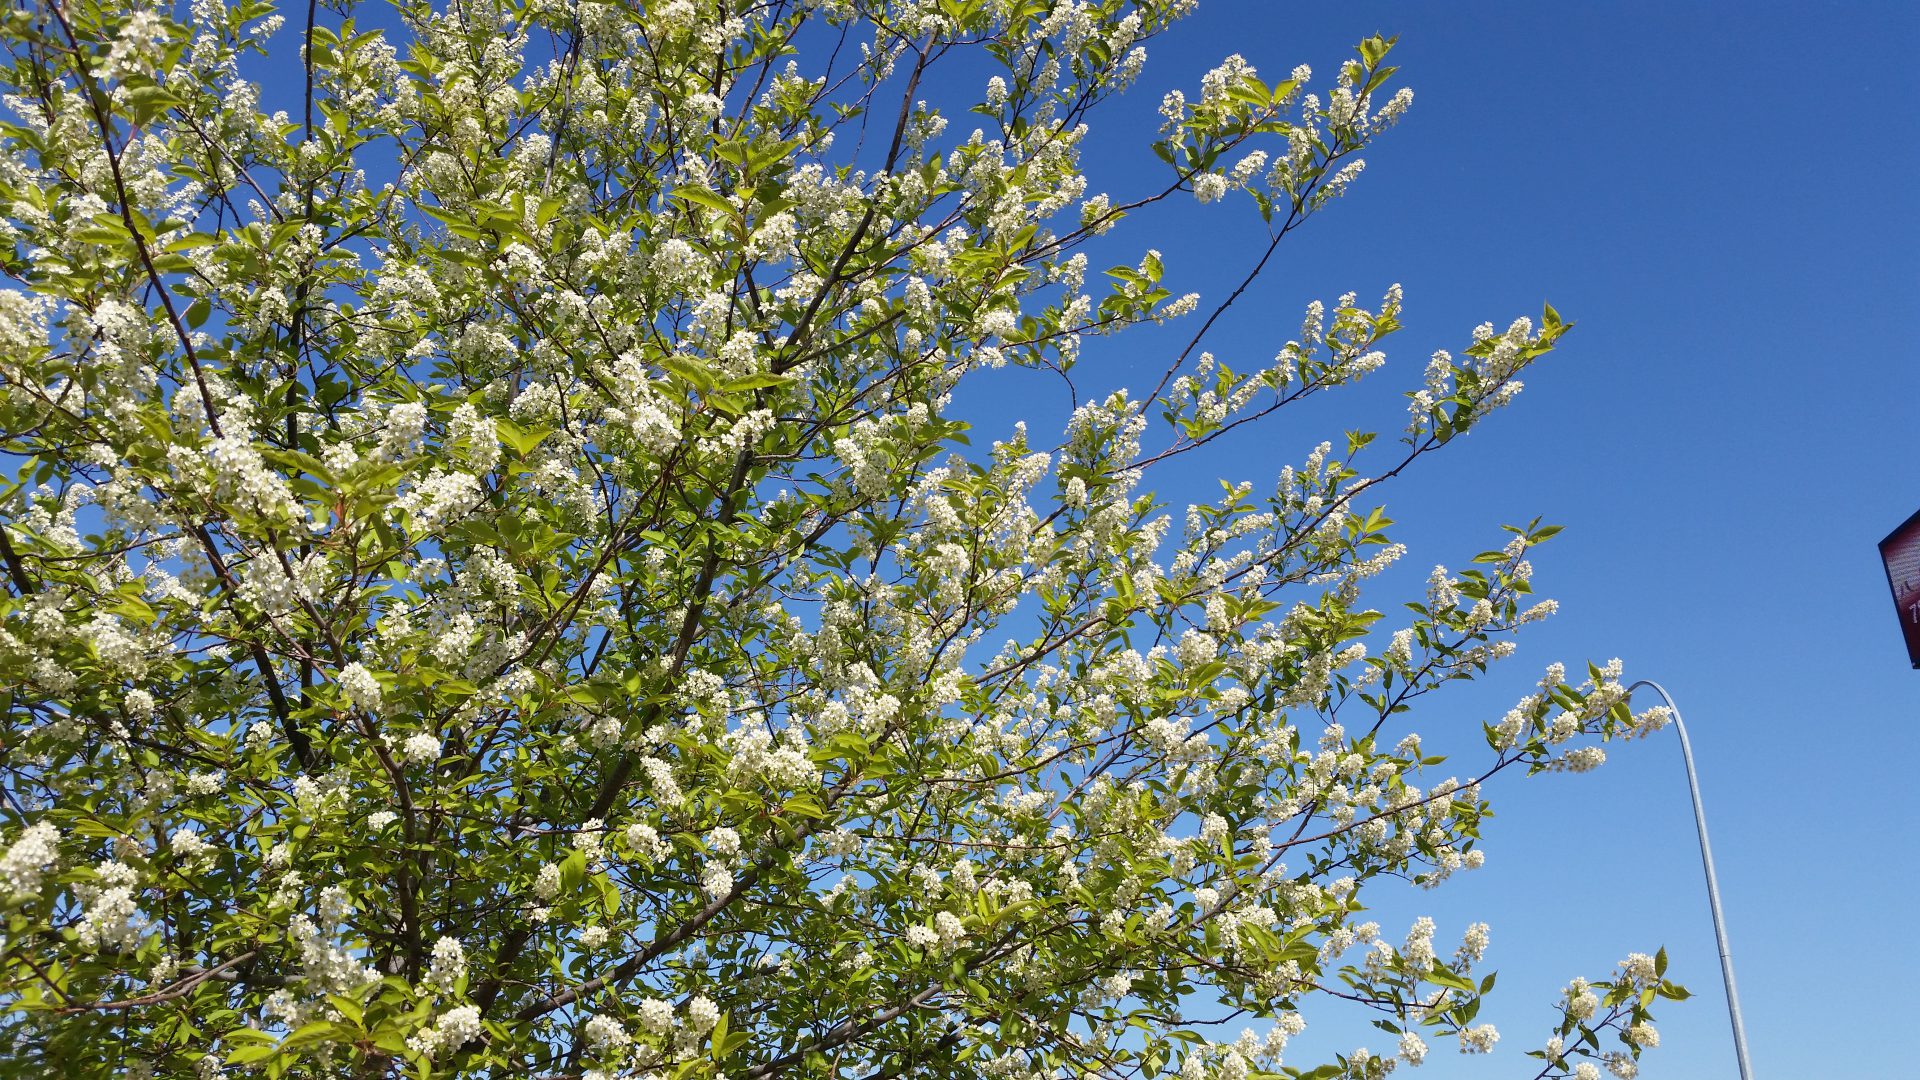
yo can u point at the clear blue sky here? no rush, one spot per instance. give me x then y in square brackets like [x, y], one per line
[1722, 196]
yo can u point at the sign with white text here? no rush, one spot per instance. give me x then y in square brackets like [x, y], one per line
[1900, 551]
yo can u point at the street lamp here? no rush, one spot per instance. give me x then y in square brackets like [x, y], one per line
[1713, 885]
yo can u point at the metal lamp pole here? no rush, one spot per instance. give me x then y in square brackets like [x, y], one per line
[1713, 884]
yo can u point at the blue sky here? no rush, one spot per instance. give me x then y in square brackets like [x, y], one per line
[1721, 197]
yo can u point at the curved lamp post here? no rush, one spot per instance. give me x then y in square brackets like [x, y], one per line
[1713, 885]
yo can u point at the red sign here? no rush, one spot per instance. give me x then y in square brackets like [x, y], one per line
[1900, 551]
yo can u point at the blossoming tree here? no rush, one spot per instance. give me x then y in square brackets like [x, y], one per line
[496, 586]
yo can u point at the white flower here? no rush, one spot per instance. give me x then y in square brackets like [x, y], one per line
[1580, 1001]
[480, 436]
[1478, 1040]
[949, 928]
[656, 1016]
[604, 1033]
[448, 964]
[774, 239]
[1413, 1048]
[1582, 759]
[191, 847]
[439, 498]
[1209, 187]
[406, 423]
[420, 749]
[1640, 969]
[425, 1042]
[1418, 950]
[702, 1013]
[360, 686]
[138, 703]
[546, 885]
[644, 842]
[1213, 828]
[677, 265]
[1095, 214]
[1474, 944]
[590, 840]
[1197, 647]
[29, 858]
[111, 914]
[724, 842]
[458, 1025]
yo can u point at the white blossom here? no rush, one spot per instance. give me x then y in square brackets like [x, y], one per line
[29, 857]
[360, 686]
[1413, 1049]
[447, 964]
[420, 748]
[546, 884]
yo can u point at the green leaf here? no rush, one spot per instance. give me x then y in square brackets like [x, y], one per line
[698, 375]
[700, 196]
[804, 806]
[1445, 976]
[147, 103]
[522, 440]
[755, 382]
[572, 869]
[1374, 49]
[252, 1054]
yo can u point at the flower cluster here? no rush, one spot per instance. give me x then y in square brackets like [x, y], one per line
[29, 857]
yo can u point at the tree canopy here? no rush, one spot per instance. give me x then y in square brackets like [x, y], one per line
[497, 584]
